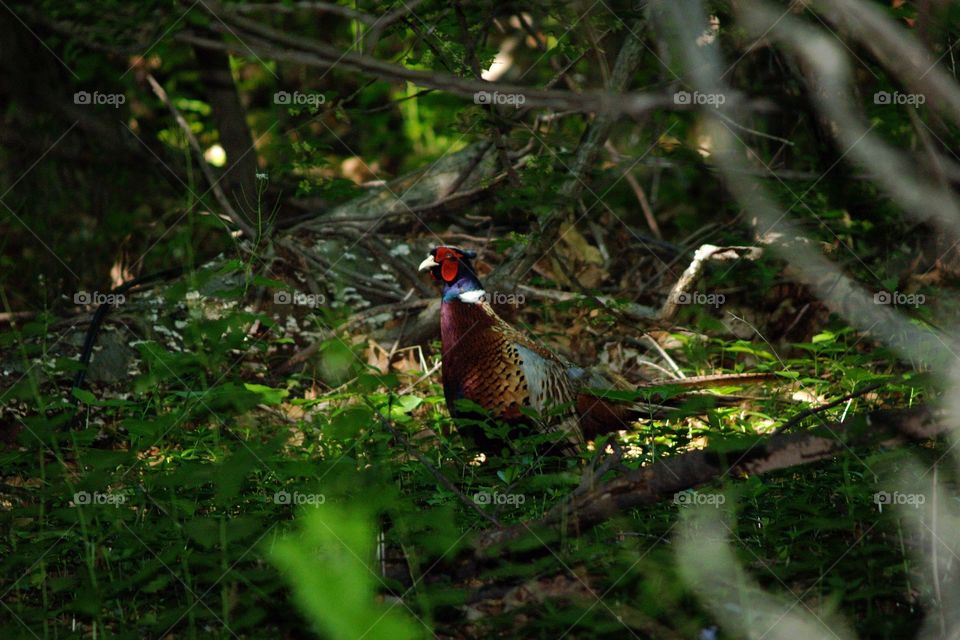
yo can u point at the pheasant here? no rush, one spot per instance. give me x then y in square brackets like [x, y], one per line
[515, 379]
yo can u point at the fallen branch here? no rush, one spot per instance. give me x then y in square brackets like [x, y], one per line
[631, 310]
[446, 204]
[638, 192]
[681, 290]
[663, 479]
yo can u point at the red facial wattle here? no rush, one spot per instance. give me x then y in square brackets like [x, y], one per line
[449, 269]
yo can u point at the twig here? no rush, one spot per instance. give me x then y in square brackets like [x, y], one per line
[897, 49]
[806, 263]
[499, 139]
[322, 7]
[425, 376]
[710, 380]
[380, 24]
[303, 354]
[442, 204]
[452, 189]
[689, 277]
[831, 87]
[639, 193]
[633, 311]
[806, 413]
[759, 134]
[378, 247]
[628, 60]
[666, 356]
[592, 476]
[359, 280]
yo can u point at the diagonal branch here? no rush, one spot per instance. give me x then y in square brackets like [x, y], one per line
[218, 193]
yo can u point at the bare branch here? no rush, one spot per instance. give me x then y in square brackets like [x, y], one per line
[693, 271]
[773, 225]
[270, 43]
[830, 81]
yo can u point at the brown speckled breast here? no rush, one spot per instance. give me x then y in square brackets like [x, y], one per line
[479, 363]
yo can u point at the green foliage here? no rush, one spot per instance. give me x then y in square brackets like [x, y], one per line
[222, 494]
[331, 561]
[215, 511]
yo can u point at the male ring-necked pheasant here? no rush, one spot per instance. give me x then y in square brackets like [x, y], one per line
[490, 363]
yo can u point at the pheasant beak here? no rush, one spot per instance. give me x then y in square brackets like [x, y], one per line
[429, 263]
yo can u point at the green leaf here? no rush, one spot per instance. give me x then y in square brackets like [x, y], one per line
[329, 568]
[404, 405]
[348, 423]
[157, 583]
[268, 395]
[337, 360]
[270, 283]
[233, 472]
[84, 396]
[203, 531]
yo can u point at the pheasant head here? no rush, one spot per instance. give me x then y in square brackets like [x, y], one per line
[452, 269]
